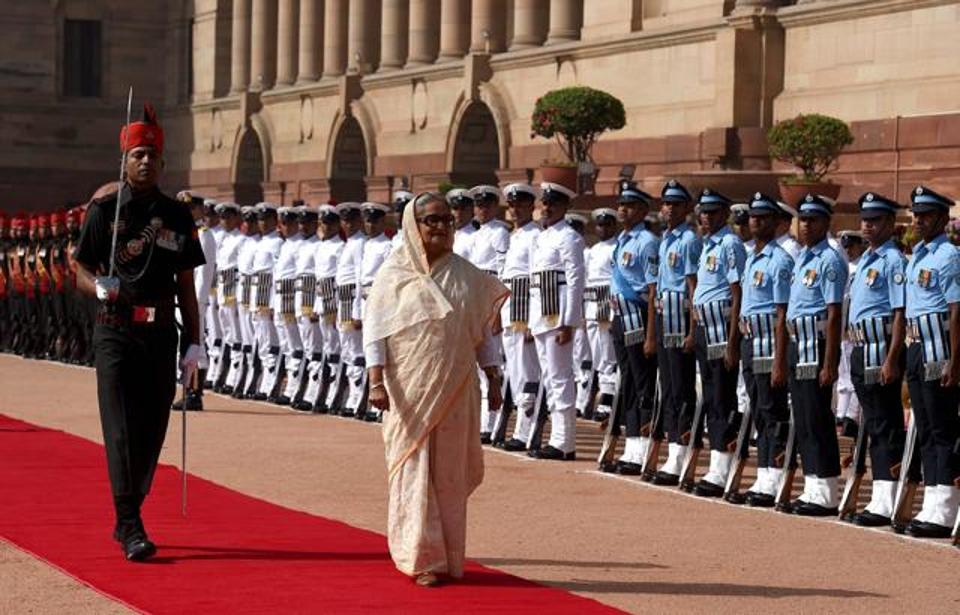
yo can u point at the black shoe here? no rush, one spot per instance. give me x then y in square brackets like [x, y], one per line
[552, 453]
[226, 389]
[218, 388]
[282, 400]
[628, 468]
[849, 428]
[300, 406]
[600, 417]
[485, 437]
[190, 402]
[514, 445]
[735, 498]
[319, 408]
[707, 489]
[808, 509]
[258, 396]
[207, 385]
[925, 529]
[869, 519]
[137, 547]
[784, 507]
[371, 417]
[238, 394]
[759, 500]
[665, 479]
[347, 413]
[648, 476]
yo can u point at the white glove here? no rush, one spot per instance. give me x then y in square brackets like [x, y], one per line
[108, 289]
[189, 363]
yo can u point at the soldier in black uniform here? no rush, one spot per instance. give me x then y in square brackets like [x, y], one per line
[135, 335]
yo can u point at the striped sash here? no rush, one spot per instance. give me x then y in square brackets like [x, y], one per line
[873, 334]
[519, 301]
[675, 318]
[327, 291]
[246, 289]
[287, 289]
[261, 299]
[228, 285]
[307, 286]
[713, 318]
[806, 332]
[600, 295]
[759, 329]
[931, 331]
[549, 283]
[632, 315]
[345, 297]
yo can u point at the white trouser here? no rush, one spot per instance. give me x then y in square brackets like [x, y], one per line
[847, 404]
[318, 348]
[351, 353]
[488, 419]
[604, 357]
[230, 325]
[268, 348]
[291, 347]
[558, 380]
[523, 374]
[214, 338]
[248, 340]
[204, 362]
[331, 351]
[583, 367]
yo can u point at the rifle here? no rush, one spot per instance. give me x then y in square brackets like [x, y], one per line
[785, 489]
[500, 425]
[731, 491]
[611, 433]
[688, 473]
[906, 483]
[652, 456]
[856, 465]
[534, 440]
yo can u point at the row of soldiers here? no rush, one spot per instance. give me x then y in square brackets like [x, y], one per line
[41, 313]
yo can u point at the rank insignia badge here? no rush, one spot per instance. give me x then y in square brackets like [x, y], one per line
[169, 240]
[924, 277]
[626, 258]
[871, 276]
[809, 277]
[757, 278]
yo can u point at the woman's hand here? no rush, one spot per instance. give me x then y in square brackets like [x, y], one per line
[378, 397]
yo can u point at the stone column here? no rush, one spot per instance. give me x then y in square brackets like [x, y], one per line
[363, 28]
[424, 31]
[529, 23]
[454, 29]
[334, 38]
[287, 41]
[566, 17]
[263, 53]
[393, 34]
[311, 23]
[240, 47]
[488, 28]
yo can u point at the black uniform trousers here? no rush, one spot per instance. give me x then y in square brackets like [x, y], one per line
[678, 392]
[938, 425]
[719, 391]
[814, 422]
[638, 376]
[136, 383]
[771, 413]
[882, 418]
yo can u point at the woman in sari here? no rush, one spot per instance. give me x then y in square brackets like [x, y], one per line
[429, 322]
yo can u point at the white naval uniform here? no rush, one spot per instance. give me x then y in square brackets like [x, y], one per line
[599, 268]
[582, 357]
[848, 406]
[522, 371]
[306, 318]
[284, 312]
[214, 336]
[245, 310]
[268, 345]
[203, 283]
[463, 240]
[348, 315]
[375, 252]
[559, 249]
[325, 257]
[487, 252]
[227, 255]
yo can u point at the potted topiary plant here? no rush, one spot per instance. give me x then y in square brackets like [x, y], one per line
[575, 117]
[812, 143]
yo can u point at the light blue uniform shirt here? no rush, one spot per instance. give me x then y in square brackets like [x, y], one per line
[878, 286]
[679, 257]
[766, 280]
[634, 263]
[721, 264]
[819, 279]
[932, 273]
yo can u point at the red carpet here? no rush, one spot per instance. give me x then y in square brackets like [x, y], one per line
[233, 554]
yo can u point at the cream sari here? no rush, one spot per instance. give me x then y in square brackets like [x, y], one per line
[431, 322]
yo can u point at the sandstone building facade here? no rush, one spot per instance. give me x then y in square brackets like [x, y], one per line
[284, 99]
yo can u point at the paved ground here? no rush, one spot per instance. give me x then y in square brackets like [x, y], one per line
[637, 547]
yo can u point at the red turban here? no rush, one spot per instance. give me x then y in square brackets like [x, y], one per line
[42, 220]
[145, 132]
[58, 217]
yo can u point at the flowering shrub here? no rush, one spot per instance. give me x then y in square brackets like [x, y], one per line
[812, 143]
[576, 116]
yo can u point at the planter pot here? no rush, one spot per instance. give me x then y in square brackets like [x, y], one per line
[793, 192]
[565, 176]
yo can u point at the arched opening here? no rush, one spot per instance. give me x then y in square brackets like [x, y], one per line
[349, 171]
[248, 189]
[476, 150]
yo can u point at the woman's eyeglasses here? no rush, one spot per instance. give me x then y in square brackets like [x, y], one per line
[436, 220]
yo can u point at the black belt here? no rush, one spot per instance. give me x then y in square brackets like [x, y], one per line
[117, 315]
